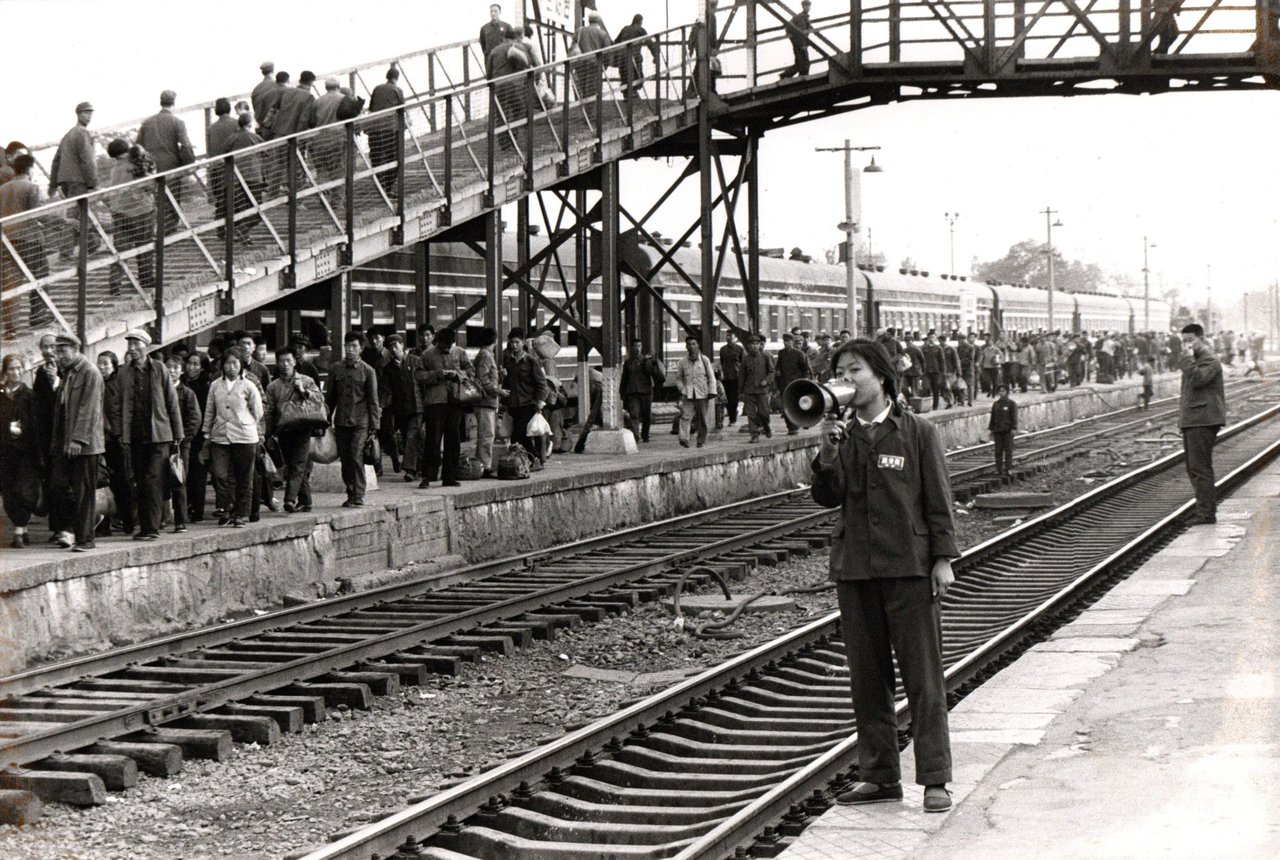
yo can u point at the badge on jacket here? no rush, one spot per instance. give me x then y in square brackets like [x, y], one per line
[890, 461]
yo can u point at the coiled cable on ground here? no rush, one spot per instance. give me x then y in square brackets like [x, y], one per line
[715, 628]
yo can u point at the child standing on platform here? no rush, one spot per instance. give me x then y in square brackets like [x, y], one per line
[1148, 388]
[1003, 423]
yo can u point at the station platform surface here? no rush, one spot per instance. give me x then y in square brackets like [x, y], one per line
[1148, 727]
[54, 603]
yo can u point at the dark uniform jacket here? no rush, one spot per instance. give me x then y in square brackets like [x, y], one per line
[917, 361]
[523, 377]
[792, 365]
[932, 358]
[79, 411]
[895, 499]
[165, 137]
[1203, 402]
[353, 395]
[74, 161]
[640, 373]
[192, 417]
[1004, 416]
[731, 356]
[397, 389]
[165, 421]
[757, 373]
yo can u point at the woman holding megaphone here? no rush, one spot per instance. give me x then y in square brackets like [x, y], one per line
[891, 562]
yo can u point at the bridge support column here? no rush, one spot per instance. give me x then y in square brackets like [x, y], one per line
[493, 272]
[422, 283]
[613, 438]
[751, 285]
[339, 317]
[524, 302]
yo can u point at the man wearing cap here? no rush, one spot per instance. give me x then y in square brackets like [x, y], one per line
[757, 380]
[329, 147]
[297, 108]
[1202, 412]
[74, 171]
[798, 29]
[352, 399]
[264, 93]
[78, 444]
[793, 364]
[165, 137]
[150, 426]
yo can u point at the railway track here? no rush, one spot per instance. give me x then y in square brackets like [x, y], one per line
[732, 762]
[973, 471]
[71, 730]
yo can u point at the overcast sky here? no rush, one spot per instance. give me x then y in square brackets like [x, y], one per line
[1195, 172]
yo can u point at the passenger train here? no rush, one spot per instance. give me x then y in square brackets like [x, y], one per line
[792, 293]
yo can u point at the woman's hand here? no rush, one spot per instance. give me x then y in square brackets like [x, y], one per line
[833, 434]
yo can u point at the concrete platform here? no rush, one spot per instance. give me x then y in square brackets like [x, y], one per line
[1149, 727]
[55, 604]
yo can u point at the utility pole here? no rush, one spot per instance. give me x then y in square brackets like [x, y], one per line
[952, 217]
[1146, 285]
[1208, 296]
[850, 224]
[1049, 224]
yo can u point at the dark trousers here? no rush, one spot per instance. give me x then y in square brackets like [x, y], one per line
[387, 439]
[1004, 451]
[351, 453]
[881, 619]
[520, 416]
[800, 63]
[1198, 443]
[640, 409]
[442, 422]
[74, 507]
[20, 481]
[593, 418]
[233, 476]
[731, 398]
[382, 150]
[197, 480]
[146, 464]
[121, 487]
[178, 496]
[295, 450]
[756, 407]
[938, 386]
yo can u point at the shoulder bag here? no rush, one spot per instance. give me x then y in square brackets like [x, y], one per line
[298, 416]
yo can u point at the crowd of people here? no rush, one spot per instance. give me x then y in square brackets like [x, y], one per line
[129, 443]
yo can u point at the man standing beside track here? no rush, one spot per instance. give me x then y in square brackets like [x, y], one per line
[891, 562]
[1202, 412]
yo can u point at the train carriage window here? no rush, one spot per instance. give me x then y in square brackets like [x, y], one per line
[444, 310]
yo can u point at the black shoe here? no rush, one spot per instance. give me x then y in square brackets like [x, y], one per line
[488, 473]
[84, 547]
[936, 798]
[684, 443]
[146, 536]
[424, 483]
[410, 475]
[179, 528]
[1202, 520]
[237, 523]
[253, 518]
[223, 519]
[304, 509]
[869, 792]
[348, 504]
[289, 507]
[793, 432]
[450, 484]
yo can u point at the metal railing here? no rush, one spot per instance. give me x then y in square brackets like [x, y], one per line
[294, 207]
[992, 37]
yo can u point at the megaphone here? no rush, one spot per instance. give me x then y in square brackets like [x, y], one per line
[806, 403]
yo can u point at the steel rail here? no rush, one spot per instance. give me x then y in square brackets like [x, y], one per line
[447, 809]
[202, 697]
[747, 822]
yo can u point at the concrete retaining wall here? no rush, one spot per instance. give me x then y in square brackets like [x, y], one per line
[72, 604]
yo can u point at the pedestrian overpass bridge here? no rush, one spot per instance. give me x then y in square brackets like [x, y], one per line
[465, 146]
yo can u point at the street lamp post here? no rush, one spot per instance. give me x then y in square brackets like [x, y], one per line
[952, 217]
[1208, 296]
[1146, 285]
[1049, 224]
[852, 217]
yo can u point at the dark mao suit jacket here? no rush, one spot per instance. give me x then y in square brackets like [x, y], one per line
[895, 500]
[1203, 402]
